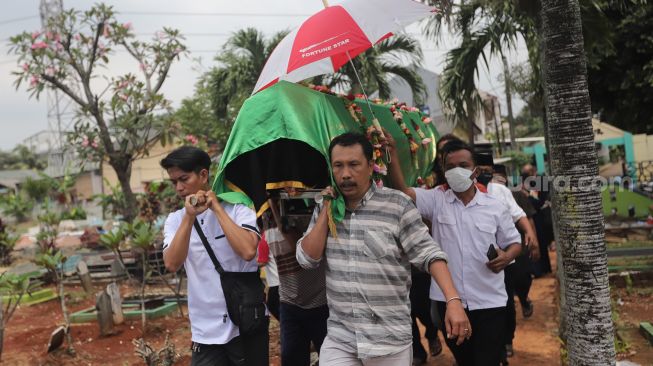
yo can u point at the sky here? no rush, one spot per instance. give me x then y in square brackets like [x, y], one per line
[206, 25]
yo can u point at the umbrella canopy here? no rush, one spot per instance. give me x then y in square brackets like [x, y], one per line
[330, 38]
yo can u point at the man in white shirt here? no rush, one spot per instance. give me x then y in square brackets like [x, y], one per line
[232, 234]
[467, 222]
[484, 165]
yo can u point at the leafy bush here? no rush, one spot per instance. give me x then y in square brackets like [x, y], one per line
[37, 189]
[76, 213]
[17, 206]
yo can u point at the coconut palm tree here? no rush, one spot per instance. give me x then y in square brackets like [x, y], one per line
[240, 65]
[490, 27]
[398, 55]
[220, 92]
[577, 210]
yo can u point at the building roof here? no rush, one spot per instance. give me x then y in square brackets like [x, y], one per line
[12, 178]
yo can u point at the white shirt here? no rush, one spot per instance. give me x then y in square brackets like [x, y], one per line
[503, 194]
[207, 309]
[271, 273]
[465, 234]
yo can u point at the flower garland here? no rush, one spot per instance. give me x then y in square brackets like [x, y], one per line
[396, 109]
[425, 140]
[373, 135]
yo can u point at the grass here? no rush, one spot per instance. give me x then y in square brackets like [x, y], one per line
[625, 199]
[641, 261]
[630, 244]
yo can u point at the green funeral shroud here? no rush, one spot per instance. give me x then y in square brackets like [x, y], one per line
[288, 111]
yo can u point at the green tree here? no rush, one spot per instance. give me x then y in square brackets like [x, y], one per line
[489, 27]
[621, 83]
[398, 55]
[113, 240]
[113, 202]
[220, 92]
[36, 189]
[16, 205]
[117, 115]
[52, 259]
[21, 157]
[14, 287]
[577, 212]
[7, 242]
[142, 240]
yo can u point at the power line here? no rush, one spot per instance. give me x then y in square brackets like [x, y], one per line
[171, 13]
[15, 20]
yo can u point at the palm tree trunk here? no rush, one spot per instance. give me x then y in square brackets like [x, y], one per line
[577, 207]
[511, 119]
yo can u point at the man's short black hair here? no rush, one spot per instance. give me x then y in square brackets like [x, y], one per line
[350, 139]
[447, 137]
[456, 145]
[187, 158]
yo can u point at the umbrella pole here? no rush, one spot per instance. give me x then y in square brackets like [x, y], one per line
[375, 121]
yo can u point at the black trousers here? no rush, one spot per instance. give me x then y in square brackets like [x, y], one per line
[300, 327]
[272, 301]
[249, 350]
[518, 282]
[486, 346]
[420, 305]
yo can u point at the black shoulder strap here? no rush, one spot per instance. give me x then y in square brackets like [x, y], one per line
[217, 265]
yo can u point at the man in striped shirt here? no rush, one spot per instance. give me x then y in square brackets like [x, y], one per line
[368, 264]
[303, 305]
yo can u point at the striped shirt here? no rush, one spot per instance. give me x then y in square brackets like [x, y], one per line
[301, 287]
[368, 272]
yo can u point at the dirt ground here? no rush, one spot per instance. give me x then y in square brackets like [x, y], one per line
[535, 342]
[634, 306]
[536, 339]
[28, 332]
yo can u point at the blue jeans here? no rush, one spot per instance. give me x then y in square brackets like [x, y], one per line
[300, 327]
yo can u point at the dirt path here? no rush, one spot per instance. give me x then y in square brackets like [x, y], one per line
[536, 340]
[27, 335]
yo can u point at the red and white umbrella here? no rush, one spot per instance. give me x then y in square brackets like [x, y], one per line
[330, 38]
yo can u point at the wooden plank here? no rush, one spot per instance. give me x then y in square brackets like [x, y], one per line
[116, 303]
[130, 311]
[647, 331]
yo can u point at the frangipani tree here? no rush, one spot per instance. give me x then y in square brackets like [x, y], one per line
[119, 116]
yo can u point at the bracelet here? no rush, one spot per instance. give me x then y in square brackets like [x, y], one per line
[454, 298]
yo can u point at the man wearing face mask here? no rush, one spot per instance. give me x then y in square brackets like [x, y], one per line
[484, 166]
[517, 275]
[467, 222]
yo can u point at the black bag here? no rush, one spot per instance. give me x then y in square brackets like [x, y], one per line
[243, 292]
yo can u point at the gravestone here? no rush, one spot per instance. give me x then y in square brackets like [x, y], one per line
[56, 338]
[104, 313]
[117, 270]
[84, 277]
[116, 303]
